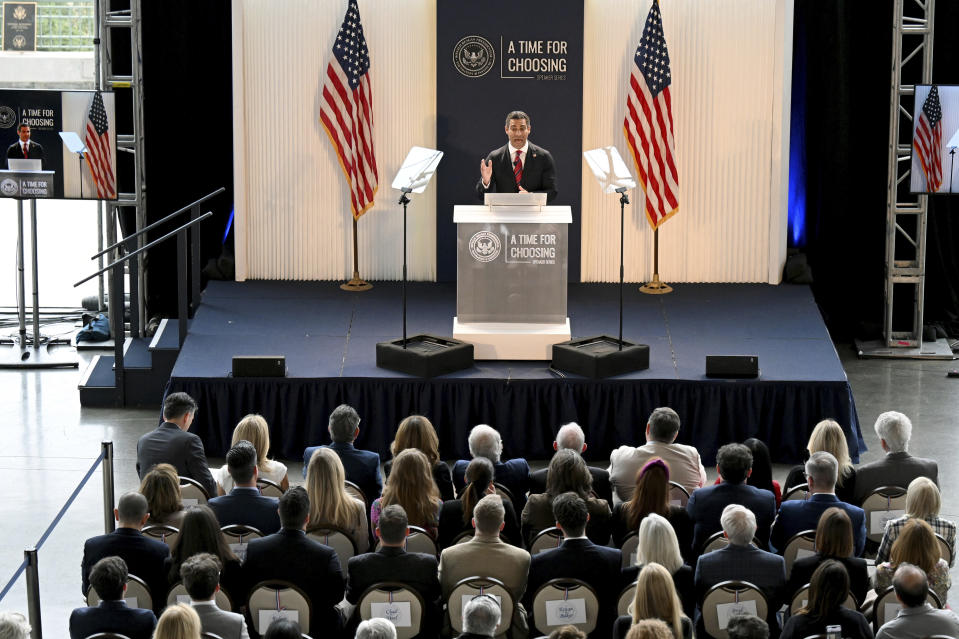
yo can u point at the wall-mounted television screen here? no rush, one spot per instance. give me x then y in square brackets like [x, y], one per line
[935, 136]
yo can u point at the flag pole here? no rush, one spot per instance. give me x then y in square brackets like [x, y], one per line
[357, 283]
[656, 287]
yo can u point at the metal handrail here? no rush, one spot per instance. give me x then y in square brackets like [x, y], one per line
[128, 256]
[169, 217]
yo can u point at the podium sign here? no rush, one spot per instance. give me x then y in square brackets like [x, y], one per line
[26, 184]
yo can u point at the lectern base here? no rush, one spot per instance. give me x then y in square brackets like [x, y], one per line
[424, 355]
[502, 340]
[600, 356]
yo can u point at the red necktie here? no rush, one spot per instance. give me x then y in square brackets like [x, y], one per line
[517, 168]
[25, 153]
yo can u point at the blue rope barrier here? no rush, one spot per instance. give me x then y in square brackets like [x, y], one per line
[13, 580]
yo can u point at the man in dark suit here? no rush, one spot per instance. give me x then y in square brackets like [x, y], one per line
[578, 558]
[484, 441]
[572, 437]
[392, 562]
[897, 467]
[144, 556]
[201, 578]
[109, 578]
[734, 462]
[520, 166]
[797, 516]
[171, 443]
[290, 555]
[245, 505]
[24, 148]
[362, 466]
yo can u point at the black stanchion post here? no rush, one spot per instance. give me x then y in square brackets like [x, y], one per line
[109, 523]
[33, 592]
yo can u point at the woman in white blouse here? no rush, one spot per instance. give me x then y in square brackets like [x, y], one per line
[254, 429]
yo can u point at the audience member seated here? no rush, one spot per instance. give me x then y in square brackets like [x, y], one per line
[827, 592]
[330, 504]
[487, 556]
[456, 514]
[245, 505]
[747, 626]
[201, 578]
[417, 432]
[417, 571]
[734, 463]
[741, 561]
[178, 621]
[833, 542]
[650, 629]
[897, 467]
[579, 558]
[13, 625]
[485, 441]
[289, 555]
[567, 632]
[685, 466]
[201, 534]
[171, 443]
[762, 475]
[571, 437]
[657, 545]
[283, 628]
[567, 473]
[828, 436]
[362, 466]
[411, 486]
[161, 487]
[651, 495]
[481, 615]
[109, 578]
[254, 429]
[655, 599]
[923, 501]
[916, 545]
[375, 628]
[144, 556]
[918, 618]
[798, 515]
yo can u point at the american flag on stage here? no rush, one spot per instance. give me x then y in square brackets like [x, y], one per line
[99, 150]
[648, 125]
[928, 140]
[347, 110]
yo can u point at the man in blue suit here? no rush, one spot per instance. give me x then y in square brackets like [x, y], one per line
[797, 516]
[362, 466]
[485, 441]
[705, 506]
[245, 505]
[109, 578]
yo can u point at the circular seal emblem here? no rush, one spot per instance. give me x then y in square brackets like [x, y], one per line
[484, 246]
[8, 117]
[473, 56]
[9, 187]
[19, 42]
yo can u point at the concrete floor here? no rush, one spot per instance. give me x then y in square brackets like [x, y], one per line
[51, 441]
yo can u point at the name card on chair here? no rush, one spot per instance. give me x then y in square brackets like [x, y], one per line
[239, 550]
[266, 617]
[878, 519]
[802, 553]
[131, 602]
[183, 599]
[469, 598]
[726, 610]
[565, 611]
[892, 611]
[397, 612]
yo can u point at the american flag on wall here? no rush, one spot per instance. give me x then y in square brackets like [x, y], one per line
[346, 111]
[928, 140]
[648, 125]
[99, 150]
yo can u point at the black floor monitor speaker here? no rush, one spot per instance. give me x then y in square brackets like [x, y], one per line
[600, 356]
[425, 355]
[259, 366]
[732, 366]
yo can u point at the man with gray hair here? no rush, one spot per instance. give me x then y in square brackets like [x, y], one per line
[685, 466]
[485, 441]
[376, 628]
[747, 626]
[13, 625]
[796, 516]
[481, 615]
[917, 618]
[362, 467]
[571, 437]
[896, 467]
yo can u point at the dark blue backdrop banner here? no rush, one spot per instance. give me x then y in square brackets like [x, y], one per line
[492, 57]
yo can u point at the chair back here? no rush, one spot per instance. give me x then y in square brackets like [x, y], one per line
[881, 505]
[237, 536]
[417, 541]
[800, 545]
[269, 488]
[886, 606]
[394, 601]
[546, 540]
[504, 492]
[162, 532]
[106, 635]
[178, 594]
[192, 492]
[678, 495]
[626, 599]
[337, 539]
[945, 552]
[628, 549]
[137, 594]
[801, 598]
[561, 602]
[209, 635]
[355, 491]
[728, 598]
[718, 540]
[797, 493]
[466, 589]
[271, 599]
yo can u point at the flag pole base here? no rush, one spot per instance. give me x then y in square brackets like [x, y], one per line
[656, 287]
[356, 284]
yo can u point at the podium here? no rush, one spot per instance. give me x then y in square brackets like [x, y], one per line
[511, 280]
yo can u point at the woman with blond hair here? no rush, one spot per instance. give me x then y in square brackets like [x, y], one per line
[916, 545]
[828, 436]
[254, 429]
[417, 432]
[330, 504]
[658, 545]
[178, 621]
[411, 485]
[923, 501]
[655, 598]
[161, 487]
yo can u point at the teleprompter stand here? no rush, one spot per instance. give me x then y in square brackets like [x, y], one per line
[421, 355]
[602, 355]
